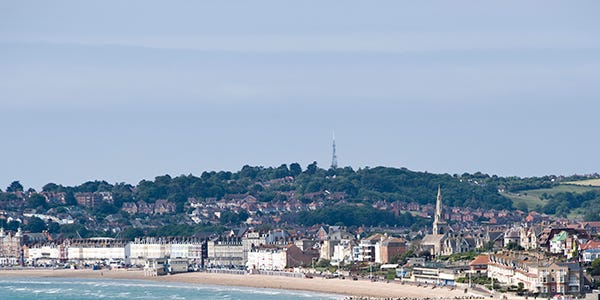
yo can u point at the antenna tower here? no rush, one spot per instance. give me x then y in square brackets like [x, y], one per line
[334, 163]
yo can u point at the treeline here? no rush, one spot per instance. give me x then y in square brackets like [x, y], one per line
[268, 184]
[391, 184]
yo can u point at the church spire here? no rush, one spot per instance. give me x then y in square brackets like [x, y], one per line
[438, 220]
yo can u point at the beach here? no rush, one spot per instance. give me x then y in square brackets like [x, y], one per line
[343, 287]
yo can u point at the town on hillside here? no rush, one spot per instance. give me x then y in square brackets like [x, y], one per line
[426, 243]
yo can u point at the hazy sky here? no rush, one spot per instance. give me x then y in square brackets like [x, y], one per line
[129, 90]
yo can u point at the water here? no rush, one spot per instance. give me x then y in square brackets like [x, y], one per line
[39, 288]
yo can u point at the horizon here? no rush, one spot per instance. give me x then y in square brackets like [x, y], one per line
[127, 91]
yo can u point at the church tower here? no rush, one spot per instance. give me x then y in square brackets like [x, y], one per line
[439, 224]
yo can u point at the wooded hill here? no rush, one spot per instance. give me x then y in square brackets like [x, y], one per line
[365, 185]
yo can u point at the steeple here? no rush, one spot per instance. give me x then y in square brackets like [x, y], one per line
[439, 224]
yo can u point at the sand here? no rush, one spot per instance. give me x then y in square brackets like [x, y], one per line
[345, 287]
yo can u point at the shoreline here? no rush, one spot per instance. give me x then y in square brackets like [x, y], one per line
[343, 287]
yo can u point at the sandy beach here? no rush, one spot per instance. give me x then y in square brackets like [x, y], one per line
[345, 287]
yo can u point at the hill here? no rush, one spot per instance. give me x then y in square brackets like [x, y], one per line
[329, 194]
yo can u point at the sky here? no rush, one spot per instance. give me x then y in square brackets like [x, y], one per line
[128, 90]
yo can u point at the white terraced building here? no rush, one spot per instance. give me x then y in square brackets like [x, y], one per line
[42, 254]
[94, 250]
[138, 251]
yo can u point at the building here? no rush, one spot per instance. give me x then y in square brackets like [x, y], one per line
[442, 240]
[529, 237]
[434, 275]
[564, 243]
[342, 252]
[537, 274]
[143, 249]
[590, 251]
[43, 254]
[392, 247]
[479, 265]
[156, 267]
[329, 237]
[225, 252]
[95, 250]
[90, 200]
[252, 239]
[512, 236]
[10, 248]
[277, 258]
[177, 265]
[369, 249]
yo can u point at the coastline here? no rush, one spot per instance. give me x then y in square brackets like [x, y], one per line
[342, 287]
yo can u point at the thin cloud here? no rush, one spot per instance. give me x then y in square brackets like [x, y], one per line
[338, 43]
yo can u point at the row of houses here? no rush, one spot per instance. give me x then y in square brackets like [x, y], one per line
[273, 250]
[536, 274]
[161, 206]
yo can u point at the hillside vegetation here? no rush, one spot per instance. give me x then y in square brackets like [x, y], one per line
[346, 186]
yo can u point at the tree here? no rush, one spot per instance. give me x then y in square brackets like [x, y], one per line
[106, 208]
[13, 225]
[14, 187]
[53, 227]
[51, 187]
[132, 233]
[70, 199]
[312, 168]
[281, 172]
[514, 246]
[295, 169]
[74, 231]
[37, 200]
[595, 268]
[35, 225]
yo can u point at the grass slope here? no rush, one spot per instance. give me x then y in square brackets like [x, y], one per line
[589, 182]
[533, 198]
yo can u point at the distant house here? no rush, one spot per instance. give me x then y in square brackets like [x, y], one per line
[480, 264]
[590, 251]
[90, 200]
[54, 197]
[512, 236]
[592, 227]
[129, 207]
[145, 208]
[163, 207]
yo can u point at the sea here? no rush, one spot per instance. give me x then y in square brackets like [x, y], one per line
[42, 288]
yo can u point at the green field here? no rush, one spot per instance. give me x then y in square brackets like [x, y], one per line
[589, 182]
[532, 198]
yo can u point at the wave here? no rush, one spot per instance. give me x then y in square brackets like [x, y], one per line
[94, 289]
